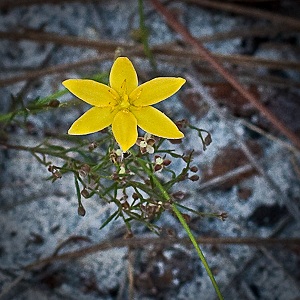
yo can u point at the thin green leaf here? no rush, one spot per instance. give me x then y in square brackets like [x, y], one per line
[109, 219]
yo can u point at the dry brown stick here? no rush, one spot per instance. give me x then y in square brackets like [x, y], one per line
[131, 259]
[178, 27]
[243, 33]
[245, 60]
[266, 80]
[41, 36]
[235, 59]
[282, 265]
[52, 70]
[245, 75]
[251, 259]
[290, 204]
[105, 45]
[269, 136]
[6, 288]
[252, 61]
[219, 180]
[63, 40]
[16, 3]
[142, 242]
[248, 11]
[108, 46]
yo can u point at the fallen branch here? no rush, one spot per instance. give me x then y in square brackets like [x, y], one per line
[179, 28]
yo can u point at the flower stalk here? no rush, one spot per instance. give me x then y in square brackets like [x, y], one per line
[167, 198]
[113, 173]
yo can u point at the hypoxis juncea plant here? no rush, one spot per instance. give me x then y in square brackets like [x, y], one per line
[127, 172]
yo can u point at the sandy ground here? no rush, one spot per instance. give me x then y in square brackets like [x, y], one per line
[37, 215]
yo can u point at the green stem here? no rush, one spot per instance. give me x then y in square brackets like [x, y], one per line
[199, 252]
[37, 106]
[143, 164]
[180, 217]
[144, 32]
[201, 214]
[53, 96]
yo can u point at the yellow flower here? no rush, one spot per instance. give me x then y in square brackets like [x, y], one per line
[125, 105]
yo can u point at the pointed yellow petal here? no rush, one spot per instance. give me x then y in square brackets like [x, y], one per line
[123, 77]
[155, 90]
[95, 119]
[124, 128]
[157, 123]
[92, 92]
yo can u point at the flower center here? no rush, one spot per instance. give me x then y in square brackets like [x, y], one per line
[143, 144]
[124, 102]
[159, 160]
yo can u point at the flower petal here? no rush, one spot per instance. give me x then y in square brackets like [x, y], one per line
[95, 119]
[123, 77]
[155, 90]
[157, 123]
[124, 128]
[92, 92]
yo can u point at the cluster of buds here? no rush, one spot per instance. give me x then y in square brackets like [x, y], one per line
[116, 156]
[146, 143]
[81, 211]
[54, 103]
[84, 170]
[85, 193]
[55, 172]
[194, 177]
[160, 163]
[150, 210]
[123, 200]
[92, 146]
[121, 173]
[223, 216]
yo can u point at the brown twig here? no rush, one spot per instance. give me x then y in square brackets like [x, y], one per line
[290, 204]
[141, 242]
[16, 3]
[130, 271]
[236, 59]
[109, 47]
[269, 136]
[248, 11]
[219, 180]
[244, 77]
[12, 284]
[52, 70]
[38, 36]
[71, 240]
[178, 27]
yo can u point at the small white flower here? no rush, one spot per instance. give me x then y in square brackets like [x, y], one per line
[122, 170]
[146, 143]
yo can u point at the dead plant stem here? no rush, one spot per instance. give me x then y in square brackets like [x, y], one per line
[178, 27]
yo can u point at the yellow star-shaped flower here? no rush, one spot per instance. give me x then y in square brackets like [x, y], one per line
[125, 105]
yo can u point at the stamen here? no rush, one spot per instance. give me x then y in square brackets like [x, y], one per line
[124, 87]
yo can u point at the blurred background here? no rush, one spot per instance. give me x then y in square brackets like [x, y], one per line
[250, 171]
